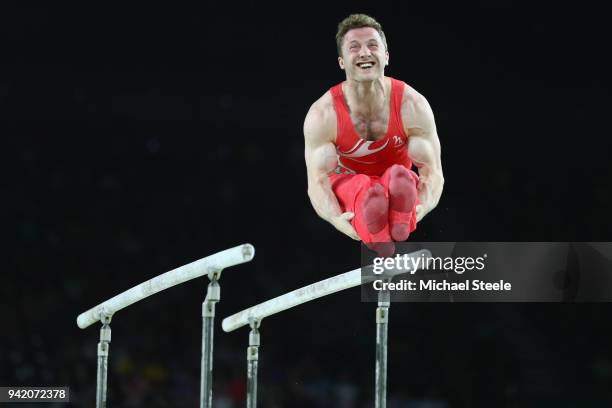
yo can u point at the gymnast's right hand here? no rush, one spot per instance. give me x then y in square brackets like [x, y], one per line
[343, 224]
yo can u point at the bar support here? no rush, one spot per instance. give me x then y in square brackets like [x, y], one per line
[103, 351]
[213, 295]
[382, 326]
[252, 362]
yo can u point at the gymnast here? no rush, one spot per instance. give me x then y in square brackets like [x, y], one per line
[362, 138]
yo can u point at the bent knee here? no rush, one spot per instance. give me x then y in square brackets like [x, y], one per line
[362, 181]
[401, 170]
[398, 169]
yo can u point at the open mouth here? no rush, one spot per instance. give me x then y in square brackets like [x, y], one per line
[366, 65]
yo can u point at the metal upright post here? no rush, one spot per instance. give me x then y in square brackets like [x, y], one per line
[252, 361]
[103, 351]
[382, 324]
[213, 295]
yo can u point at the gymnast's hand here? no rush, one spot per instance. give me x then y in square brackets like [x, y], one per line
[421, 211]
[343, 224]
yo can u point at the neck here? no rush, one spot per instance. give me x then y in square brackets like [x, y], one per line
[366, 94]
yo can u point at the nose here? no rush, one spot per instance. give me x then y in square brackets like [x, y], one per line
[364, 52]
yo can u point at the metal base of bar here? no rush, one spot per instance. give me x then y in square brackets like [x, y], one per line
[213, 295]
[103, 351]
[252, 363]
[382, 326]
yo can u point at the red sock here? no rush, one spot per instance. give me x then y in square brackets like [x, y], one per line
[374, 215]
[367, 199]
[401, 185]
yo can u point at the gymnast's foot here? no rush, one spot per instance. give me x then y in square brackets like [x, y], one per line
[375, 209]
[402, 198]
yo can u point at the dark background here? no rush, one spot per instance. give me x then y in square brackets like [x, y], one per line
[139, 138]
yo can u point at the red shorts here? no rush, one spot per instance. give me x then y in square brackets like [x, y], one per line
[349, 189]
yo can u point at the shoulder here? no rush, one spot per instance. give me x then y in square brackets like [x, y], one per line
[323, 107]
[416, 111]
[320, 121]
[412, 98]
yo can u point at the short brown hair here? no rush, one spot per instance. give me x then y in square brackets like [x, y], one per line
[357, 21]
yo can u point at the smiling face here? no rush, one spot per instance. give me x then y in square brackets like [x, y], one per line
[364, 55]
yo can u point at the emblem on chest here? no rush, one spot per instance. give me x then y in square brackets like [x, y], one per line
[364, 148]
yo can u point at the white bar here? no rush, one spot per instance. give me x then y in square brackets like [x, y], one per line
[219, 261]
[314, 291]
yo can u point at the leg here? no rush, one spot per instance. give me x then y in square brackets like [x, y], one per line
[401, 185]
[366, 198]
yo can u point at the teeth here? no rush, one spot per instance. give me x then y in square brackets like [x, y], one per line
[366, 65]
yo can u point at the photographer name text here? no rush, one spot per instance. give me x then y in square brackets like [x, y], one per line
[442, 285]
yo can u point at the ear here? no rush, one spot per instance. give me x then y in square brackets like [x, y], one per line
[386, 58]
[341, 63]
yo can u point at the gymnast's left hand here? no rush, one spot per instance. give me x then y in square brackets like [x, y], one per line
[420, 212]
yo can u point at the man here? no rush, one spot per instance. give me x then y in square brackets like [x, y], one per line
[362, 138]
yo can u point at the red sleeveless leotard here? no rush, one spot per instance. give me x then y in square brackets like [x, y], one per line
[371, 157]
[363, 164]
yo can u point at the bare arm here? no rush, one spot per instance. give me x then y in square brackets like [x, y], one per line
[321, 159]
[423, 149]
